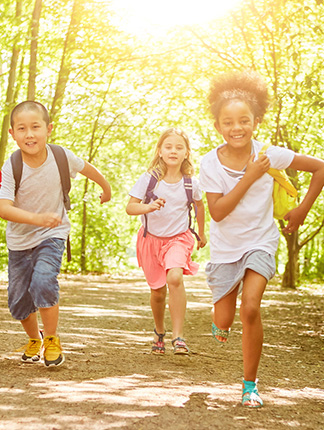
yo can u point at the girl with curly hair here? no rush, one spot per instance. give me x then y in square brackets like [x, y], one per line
[243, 234]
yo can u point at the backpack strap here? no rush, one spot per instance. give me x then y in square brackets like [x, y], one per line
[63, 166]
[149, 195]
[264, 149]
[280, 176]
[17, 166]
[187, 182]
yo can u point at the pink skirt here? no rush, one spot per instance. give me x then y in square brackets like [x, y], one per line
[156, 255]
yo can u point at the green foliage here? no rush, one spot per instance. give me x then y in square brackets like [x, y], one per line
[122, 92]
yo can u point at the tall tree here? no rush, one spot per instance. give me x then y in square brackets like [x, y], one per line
[33, 50]
[11, 83]
[66, 61]
[281, 40]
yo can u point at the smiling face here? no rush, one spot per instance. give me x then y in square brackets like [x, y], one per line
[173, 150]
[30, 131]
[236, 123]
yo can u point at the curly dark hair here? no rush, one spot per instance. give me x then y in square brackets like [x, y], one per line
[247, 86]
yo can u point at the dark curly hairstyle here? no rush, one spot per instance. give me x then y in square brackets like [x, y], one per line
[247, 86]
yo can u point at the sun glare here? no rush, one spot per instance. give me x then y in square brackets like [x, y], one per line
[155, 17]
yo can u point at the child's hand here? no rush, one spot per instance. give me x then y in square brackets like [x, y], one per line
[156, 205]
[49, 219]
[259, 167]
[105, 197]
[202, 242]
[295, 218]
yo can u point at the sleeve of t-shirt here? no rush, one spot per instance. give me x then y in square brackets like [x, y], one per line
[7, 189]
[280, 158]
[209, 180]
[139, 189]
[76, 164]
[196, 190]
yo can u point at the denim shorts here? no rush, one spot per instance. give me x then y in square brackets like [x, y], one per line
[33, 277]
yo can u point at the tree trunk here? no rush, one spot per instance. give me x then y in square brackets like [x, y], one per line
[65, 68]
[291, 274]
[33, 50]
[10, 88]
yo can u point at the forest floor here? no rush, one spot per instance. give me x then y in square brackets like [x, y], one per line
[111, 381]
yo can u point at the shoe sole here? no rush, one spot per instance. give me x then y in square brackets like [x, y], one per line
[38, 359]
[30, 360]
[54, 365]
[181, 353]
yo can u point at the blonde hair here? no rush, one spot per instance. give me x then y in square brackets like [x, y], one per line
[158, 168]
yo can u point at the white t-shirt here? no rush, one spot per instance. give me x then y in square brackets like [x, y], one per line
[39, 191]
[250, 225]
[173, 218]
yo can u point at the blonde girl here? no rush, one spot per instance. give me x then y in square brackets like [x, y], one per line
[165, 253]
[243, 234]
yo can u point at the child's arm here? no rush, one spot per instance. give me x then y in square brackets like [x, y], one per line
[201, 223]
[93, 174]
[135, 207]
[9, 212]
[220, 205]
[305, 163]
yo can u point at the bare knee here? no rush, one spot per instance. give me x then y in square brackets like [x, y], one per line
[175, 277]
[224, 310]
[249, 313]
[222, 320]
[159, 295]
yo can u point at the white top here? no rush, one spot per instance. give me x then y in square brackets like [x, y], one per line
[173, 218]
[39, 191]
[250, 225]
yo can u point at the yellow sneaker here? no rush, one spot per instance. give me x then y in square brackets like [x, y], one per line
[53, 355]
[33, 351]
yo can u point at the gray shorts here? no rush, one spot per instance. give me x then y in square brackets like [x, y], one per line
[223, 278]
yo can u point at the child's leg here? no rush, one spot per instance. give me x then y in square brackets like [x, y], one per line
[158, 298]
[44, 289]
[252, 339]
[44, 286]
[50, 321]
[50, 318]
[30, 325]
[224, 312]
[177, 300]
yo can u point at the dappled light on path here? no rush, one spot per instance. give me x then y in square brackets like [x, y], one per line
[111, 381]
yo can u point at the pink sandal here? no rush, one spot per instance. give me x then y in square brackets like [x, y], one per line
[180, 347]
[158, 347]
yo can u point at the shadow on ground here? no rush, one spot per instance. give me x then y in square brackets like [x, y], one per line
[111, 381]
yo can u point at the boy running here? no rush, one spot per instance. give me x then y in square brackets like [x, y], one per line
[37, 229]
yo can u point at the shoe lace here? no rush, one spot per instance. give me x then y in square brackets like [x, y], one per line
[31, 348]
[52, 346]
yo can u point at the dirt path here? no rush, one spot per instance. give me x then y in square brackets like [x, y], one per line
[110, 381]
